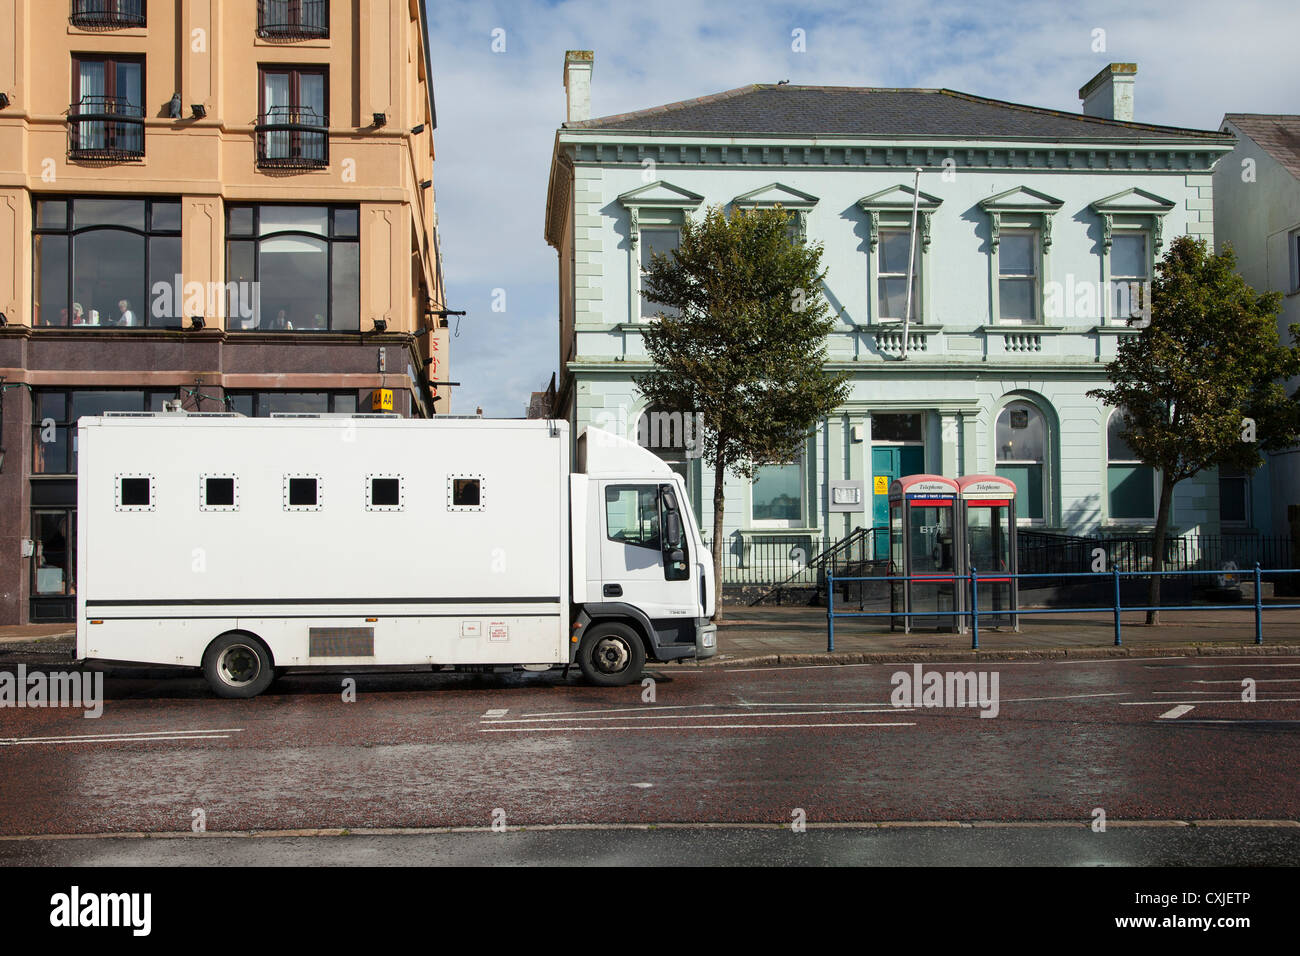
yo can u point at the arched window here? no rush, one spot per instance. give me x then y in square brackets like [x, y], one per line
[1130, 484]
[1021, 435]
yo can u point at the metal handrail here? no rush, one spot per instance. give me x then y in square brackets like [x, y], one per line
[1116, 606]
[853, 537]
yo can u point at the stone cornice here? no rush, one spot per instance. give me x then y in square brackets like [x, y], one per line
[602, 148]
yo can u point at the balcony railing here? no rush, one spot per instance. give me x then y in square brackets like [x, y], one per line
[105, 128]
[292, 137]
[107, 14]
[293, 19]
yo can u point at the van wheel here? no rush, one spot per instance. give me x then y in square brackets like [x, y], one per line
[611, 655]
[238, 665]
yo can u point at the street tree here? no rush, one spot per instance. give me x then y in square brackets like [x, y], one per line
[740, 344]
[1203, 383]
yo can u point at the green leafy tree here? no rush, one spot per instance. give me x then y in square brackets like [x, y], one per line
[1203, 384]
[741, 344]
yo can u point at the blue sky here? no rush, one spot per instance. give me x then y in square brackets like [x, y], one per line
[498, 111]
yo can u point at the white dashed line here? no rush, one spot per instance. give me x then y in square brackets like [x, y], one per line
[1176, 712]
[526, 730]
[497, 712]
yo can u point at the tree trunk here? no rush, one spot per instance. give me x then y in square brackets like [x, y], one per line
[719, 501]
[1158, 546]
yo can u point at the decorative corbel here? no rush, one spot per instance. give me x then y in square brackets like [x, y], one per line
[995, 228]
[634, 236]
[925, 230]
[1047, 231]
[1107, 230]
[873, 229]
[1158, 232]
[801, 221]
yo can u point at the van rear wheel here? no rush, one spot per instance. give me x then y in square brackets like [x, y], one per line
[238, 665]
[611, 655]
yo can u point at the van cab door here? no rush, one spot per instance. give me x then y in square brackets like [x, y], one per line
[646, 554]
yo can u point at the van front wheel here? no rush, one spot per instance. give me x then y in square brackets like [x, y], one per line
[611, 655]
[238, 665]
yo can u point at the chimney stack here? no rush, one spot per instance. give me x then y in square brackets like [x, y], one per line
[1109, 94]
[577, 84]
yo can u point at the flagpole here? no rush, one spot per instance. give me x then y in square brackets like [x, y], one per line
[911, 258]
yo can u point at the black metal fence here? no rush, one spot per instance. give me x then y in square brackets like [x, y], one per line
[292, 137]
[798, 560]
[803, 560]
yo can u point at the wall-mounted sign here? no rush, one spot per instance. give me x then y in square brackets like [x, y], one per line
[880, 484]
[381, 400]
[846, 496]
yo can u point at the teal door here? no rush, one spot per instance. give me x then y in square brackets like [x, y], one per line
[890, 462]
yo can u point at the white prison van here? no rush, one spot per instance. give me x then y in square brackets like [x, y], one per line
[246, 546]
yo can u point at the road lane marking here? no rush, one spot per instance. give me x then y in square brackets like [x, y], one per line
[1230, 700]
[798, 713]
[1215, 667]
[615, 710]
[497, 712]
[111, 740]
[1113, 660]
[1176, 712]
[120, 736]
[565, 729]
[793, 667]
[1267, 680]
[1014, 700]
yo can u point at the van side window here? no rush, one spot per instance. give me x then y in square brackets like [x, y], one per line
[632, 515]
[218, 493]
[384, 493]
[465, 493]
[302, 493]
[135, 493]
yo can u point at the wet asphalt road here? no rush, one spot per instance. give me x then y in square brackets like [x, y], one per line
[904, 847]
[742, 745]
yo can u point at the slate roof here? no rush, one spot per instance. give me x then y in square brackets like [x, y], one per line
[869, 111]
[1278, 134]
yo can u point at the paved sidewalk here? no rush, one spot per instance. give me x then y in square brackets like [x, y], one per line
[789, 634]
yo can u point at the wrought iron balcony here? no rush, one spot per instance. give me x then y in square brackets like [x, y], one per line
[293, 19]
[105, 128]
[107, 14]
[292, 137]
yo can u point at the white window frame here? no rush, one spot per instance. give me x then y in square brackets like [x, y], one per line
[658, 204]
[780, 523]
[153, 492]
[320, 492]
[1036, 280]
[1125, 230]
[482, 492]
[892, 209]
[203, 492]
[370, 488]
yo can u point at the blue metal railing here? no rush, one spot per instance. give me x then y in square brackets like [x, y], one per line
[974, 613]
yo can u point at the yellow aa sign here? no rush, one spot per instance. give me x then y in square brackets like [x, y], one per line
[381, 400]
